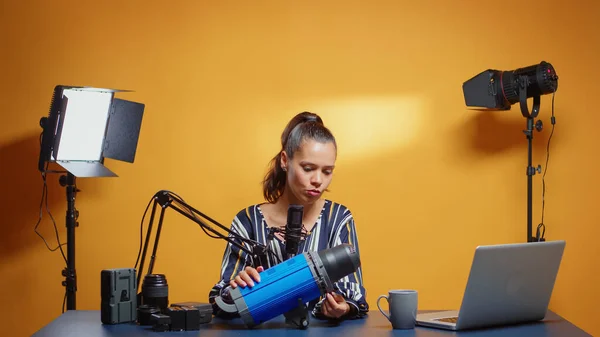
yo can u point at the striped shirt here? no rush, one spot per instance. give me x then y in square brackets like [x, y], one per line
[334, 226]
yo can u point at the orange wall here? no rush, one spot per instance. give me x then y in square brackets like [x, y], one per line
[427, 179]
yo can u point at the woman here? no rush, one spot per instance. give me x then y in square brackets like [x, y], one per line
[299, 174]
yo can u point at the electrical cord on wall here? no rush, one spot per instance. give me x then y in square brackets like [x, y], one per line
[542, 227]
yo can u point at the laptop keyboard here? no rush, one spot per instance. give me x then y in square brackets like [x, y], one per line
[447, 319]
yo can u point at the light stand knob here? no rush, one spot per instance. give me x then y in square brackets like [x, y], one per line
[539, 125]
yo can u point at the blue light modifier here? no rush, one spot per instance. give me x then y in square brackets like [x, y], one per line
[293, 277]
[285, 286]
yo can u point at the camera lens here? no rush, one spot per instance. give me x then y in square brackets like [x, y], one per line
[155, 291]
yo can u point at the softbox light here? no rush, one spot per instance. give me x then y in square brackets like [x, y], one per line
[85, 125]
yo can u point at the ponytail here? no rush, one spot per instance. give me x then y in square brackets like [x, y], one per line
[274, 182]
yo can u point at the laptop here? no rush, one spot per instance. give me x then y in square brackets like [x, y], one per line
[508, 284]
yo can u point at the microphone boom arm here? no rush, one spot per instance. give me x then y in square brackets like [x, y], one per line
[167, 199]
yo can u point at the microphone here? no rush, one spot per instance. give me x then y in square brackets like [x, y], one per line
[293, 230]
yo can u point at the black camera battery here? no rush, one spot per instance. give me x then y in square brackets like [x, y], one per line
[178, 318]
[160, 322]
[187, 317]
[205, 310]
[192, 318]
[118, 296]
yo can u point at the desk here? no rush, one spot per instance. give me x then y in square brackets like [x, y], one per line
[87, 323]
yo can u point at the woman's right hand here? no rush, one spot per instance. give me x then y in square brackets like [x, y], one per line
[246, 277]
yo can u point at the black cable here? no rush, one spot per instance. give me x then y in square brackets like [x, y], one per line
[183, 204]
[55, 228]
[142, 233]
[64, 301]
[44, 193]
[542, 225]
[44, 200]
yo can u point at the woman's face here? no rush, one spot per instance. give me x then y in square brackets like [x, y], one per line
[310, 172]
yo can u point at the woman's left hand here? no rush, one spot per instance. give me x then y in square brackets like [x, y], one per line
[334, 306]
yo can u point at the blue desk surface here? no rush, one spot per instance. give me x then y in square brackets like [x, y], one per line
[87, 323]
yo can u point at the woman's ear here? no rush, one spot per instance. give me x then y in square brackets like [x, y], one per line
[283, 162]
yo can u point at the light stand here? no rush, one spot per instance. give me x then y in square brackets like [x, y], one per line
[523, 84]
[85, 125]
[69, 272]
[498, 90]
